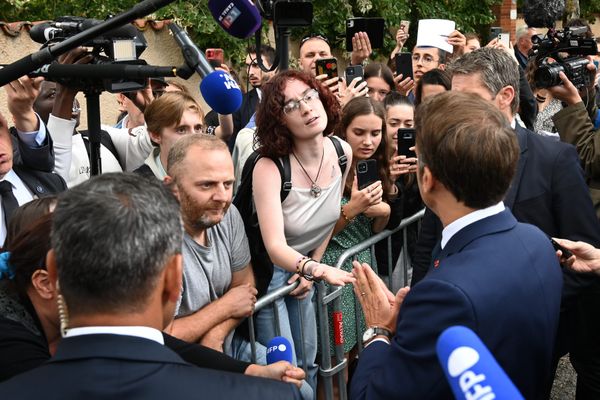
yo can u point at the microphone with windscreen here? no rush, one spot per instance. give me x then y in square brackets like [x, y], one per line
[279, 349]
[239, 18]
[470, 368]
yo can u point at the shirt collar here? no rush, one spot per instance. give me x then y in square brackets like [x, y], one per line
[144, 332]
[11, 177]
[453, 228]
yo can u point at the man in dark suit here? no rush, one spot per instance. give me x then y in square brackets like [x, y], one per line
[492, 274]
[116, 260]
[548, 191]
[26, 156]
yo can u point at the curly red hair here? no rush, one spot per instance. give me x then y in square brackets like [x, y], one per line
[273, 138]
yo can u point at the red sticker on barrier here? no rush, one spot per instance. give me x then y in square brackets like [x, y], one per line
[338, 328]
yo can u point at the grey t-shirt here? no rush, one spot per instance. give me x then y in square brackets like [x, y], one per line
[207, 270]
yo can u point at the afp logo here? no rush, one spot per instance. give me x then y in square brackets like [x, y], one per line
[281, 347]
[460, 365]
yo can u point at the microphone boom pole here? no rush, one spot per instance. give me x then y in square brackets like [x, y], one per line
[44, 56]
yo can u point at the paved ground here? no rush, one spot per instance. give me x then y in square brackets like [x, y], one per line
[564, 383]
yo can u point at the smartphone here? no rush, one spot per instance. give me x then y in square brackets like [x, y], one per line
[366, 173]
[327, 66]
[374, 27]
[504, 38]
[404, 65]
[406, 140]
[406, 24]
[494, 32]
[565, 253]
[354, 71]
[215, 54]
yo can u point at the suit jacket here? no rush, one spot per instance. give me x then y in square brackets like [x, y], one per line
[548, 191]
[105, 366]
[40, 183]
[39, 158]
[496, 276]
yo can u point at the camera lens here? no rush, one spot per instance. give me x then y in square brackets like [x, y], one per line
[362, 167]
[547, 76]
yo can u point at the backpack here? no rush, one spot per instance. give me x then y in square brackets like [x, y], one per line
[243, 201]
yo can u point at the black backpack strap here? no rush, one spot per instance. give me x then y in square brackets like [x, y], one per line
[285, 170]
[342, 159]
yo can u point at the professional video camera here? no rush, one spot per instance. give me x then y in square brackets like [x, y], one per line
[287, 13]
[563, 51]
[123, 45]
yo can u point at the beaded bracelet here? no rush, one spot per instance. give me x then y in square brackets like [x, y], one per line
[348, 220]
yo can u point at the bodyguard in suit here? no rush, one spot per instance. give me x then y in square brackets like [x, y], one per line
[113, 304]
[548, 191]
[492, 274]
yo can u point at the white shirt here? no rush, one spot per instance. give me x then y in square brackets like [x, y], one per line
[453, 228]
[144, 332]
[21, 193]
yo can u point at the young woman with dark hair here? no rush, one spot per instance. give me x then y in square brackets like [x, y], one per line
[293, 121]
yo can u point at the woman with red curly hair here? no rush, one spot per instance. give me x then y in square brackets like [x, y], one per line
[295, 120]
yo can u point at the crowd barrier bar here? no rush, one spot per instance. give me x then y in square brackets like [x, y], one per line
[326, 370]
[323, 298]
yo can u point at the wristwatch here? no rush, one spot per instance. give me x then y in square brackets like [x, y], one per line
[375, 331]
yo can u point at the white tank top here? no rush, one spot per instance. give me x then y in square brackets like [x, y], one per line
[308, 220]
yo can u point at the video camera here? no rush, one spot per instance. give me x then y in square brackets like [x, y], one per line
[563, 51]
[287, 13]
[123, 45]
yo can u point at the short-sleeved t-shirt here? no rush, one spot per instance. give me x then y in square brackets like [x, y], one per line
[207, 270]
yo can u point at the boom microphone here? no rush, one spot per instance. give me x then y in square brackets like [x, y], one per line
[543, 13]
[65, 27]
[279, 349]
[220, 91]
[471, 369]
[239, 18]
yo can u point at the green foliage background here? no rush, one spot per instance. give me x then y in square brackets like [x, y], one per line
[329, 16]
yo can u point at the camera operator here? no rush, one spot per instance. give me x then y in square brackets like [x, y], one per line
[574, 125]
[120, 149]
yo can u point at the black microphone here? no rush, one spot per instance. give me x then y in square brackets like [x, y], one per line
[103, 71]
[194, 58]
[69, 26]
[543, 13]
[43, 32]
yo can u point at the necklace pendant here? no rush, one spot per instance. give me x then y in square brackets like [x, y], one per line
[315, 190]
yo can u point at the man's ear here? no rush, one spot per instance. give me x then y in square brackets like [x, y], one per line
[40, 281]
[170, 183]
[155, 137]
[442, 67]
[173, 275]
[428, 181]
[505, 97]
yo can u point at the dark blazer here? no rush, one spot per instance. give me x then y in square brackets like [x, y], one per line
[107, 366]
[40, 183]
[548, 191]
[496, 276]
[39, 158]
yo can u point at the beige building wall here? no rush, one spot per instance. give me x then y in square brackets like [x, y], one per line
[162, 51]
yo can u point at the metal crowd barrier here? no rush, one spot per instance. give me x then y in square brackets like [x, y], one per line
[326, 295]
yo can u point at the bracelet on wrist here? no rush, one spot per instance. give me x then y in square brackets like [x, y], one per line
[300, 264]
[305, 275]
[348, 220]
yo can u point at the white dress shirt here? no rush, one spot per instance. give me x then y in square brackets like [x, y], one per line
[144, 332]
[469, 219]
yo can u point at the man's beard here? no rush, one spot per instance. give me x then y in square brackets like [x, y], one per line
[194, 215]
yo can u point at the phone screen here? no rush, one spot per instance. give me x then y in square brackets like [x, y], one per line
[327, 66]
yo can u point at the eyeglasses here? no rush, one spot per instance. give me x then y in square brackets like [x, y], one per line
[294, 105]
[426, 59]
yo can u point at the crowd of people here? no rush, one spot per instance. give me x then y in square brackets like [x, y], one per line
[137, 283]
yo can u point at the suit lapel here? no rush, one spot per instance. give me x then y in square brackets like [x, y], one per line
[496, 223]
[511, 194]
